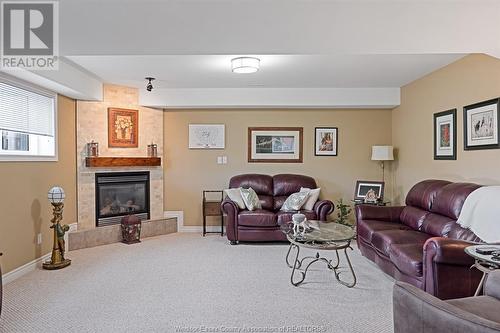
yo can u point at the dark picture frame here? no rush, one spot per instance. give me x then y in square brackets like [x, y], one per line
[363, 186]
[481, 125]
[275, 144]
[445, 135]
[123, 128]
[326, 140]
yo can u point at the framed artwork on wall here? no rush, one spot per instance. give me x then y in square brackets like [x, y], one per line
[206, 136]
[363, 187]
[326, 141]
[445, 135]
[275, 144]
[481, 125]
[123, 128]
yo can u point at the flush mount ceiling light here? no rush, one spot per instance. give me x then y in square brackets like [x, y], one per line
[245, 65]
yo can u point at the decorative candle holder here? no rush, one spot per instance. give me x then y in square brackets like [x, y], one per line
[93, 149]
[153, 150]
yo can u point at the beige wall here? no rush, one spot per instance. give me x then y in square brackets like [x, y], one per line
[472, 79]
[188, 172]
[24, 205]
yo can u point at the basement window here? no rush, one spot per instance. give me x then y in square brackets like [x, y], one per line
[27, 122]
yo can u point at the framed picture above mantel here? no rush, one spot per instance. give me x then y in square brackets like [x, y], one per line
[275, 144]
[123, 128]
[481, 126]
[445, 135]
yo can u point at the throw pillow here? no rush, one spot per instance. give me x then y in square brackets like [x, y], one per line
[313, 197]
[250, 198]
[295, 201]
[234, 194]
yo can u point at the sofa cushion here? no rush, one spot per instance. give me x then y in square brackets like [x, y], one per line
[366, 228]
[284, 216]
[257, 218]
[262, 184]
[295, 201]
[482, 306]
[450, 199]
[457, 232]
[266, 201]
[422, 194]
[407, 258]
[278, 202]
[437, 225]
[286, 184]
[250, 198]
[413, 217]
[382, 240]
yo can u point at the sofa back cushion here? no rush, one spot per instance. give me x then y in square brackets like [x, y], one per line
[286, 184]
[450, 199]
[422, 194]
[261, 184]
[413, 217]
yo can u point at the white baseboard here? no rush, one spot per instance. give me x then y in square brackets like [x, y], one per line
[179, 215]
[32, 265]
[24, 269]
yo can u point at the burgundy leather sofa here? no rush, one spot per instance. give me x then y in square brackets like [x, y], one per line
[421, 243]
[264, 224]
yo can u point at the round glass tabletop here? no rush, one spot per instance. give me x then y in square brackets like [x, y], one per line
[319, 232]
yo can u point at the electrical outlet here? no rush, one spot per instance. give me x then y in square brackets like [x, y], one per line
[39, 239]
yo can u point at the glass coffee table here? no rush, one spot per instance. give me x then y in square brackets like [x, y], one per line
[321, 236]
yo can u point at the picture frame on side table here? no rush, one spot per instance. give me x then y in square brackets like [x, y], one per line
[364, 186]
[481, 126]
[445, 135]
[206, 136]
[275, 144]
[326, 141]
[123, 128]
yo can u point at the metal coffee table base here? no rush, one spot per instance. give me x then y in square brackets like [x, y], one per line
[334, 267]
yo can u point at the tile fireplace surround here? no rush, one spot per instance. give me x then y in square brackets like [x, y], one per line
[92, 125]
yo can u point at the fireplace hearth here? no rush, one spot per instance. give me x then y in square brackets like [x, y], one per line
[121, 193]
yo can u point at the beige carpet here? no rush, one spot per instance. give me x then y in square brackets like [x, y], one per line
[184, 282]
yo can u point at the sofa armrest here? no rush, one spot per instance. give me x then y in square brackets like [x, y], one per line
[416, 311]
[444, 250]
[380, 213]
[447, 268]
[230, 209]
[323, 208]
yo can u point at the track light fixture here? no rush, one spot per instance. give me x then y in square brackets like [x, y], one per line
[149, 86]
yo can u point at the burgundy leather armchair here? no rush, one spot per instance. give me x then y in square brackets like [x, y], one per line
[421, 243]
[264, 224]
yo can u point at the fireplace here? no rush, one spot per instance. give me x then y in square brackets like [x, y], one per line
[121, 193]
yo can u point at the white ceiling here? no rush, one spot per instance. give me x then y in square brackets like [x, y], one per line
[277, 71]
[339, 52]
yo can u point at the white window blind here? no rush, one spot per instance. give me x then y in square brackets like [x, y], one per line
[25, 111]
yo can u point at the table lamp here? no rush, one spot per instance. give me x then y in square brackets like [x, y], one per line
[382, 154]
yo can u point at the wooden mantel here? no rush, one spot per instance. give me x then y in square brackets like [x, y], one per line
[100, 162]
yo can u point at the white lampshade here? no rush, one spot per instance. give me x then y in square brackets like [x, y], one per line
[382, 153]
[56, 194]
[245, 65]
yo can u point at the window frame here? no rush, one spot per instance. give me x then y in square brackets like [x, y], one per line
[44, 92]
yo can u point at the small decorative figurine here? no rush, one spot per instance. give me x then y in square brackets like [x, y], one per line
[56, 197]
[371, 196]
[299, 220]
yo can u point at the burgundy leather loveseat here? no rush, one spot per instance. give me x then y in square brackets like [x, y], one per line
[421, 243]
[264, 224]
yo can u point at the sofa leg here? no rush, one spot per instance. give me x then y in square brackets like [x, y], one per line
[233, 242]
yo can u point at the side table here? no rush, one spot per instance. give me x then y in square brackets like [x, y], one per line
[483, 262]
[211, 207]
[378, 203]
